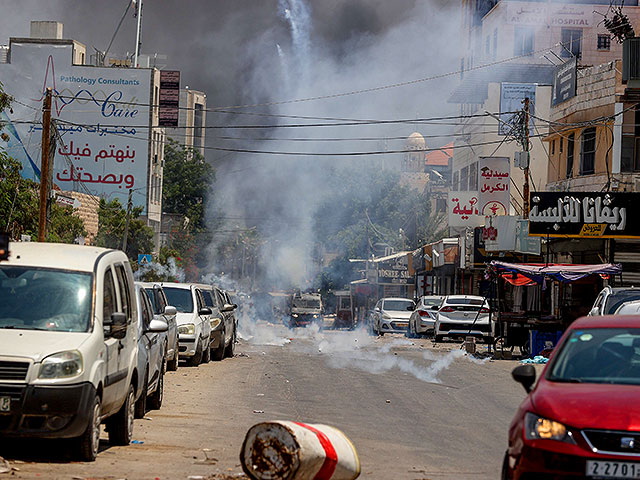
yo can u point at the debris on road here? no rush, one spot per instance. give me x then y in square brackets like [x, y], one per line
[258, 411]
[5, 467]
[297, 451]
[388, 401]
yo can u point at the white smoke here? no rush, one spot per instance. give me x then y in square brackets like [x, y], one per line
[169, 271]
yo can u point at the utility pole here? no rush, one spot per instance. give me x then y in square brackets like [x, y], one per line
[138, 32]
[44, 166]
[525, 187]
[126, 222]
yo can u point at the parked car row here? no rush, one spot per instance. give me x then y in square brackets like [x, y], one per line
[82, 344]
[453, 316]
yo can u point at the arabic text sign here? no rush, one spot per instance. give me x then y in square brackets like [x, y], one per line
[539, 14]
[512, 96]
[588, 214]
[99, 112]
[463, 209]
[565, 79]
[169, 98]
[494, 177]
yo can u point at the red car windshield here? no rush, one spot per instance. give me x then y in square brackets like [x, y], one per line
[598, 355]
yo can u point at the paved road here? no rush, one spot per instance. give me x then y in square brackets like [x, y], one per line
[413, 411]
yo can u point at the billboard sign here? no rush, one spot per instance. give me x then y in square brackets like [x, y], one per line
[169, 101]
[585, 214]
[512, 96]
[463, 209]
[565, 81]
[101, 113]
[494, 179]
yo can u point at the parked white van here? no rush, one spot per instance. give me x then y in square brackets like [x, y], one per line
[68, 344]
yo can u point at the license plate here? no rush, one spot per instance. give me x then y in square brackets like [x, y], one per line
[605, 469]
[402, 324]
[5, 404]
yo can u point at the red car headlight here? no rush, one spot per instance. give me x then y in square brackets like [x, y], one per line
[540, 428]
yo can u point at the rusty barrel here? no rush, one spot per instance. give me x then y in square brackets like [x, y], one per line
[284, 450]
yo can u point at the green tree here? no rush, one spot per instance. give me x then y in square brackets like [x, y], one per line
[112, 218]
[186, 183]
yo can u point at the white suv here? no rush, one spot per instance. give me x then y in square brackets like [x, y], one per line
[68, 344]
[194, 329]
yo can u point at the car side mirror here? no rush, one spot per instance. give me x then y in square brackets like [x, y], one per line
[116, 325]
[593, 311]
[157, 326]
[227, 307]
[205, 311]
[525, 375]
[170, 310]
[411, 309]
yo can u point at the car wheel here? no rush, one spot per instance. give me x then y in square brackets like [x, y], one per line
[155, 399]
[141, 404]
[505, 474]
[206, 354]
[217, 354]
[89, 441]
[121, 424]
[172, 365]
[197, 357]
[231, 348]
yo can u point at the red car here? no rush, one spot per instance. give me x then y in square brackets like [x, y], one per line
[582, 419]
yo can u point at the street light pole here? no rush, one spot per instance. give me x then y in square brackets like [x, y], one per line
[138, 31]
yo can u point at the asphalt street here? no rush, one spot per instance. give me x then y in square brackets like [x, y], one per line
[413, 411]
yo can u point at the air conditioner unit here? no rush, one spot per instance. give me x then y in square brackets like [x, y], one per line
[631, 62]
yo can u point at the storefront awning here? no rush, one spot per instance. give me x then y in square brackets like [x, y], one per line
[560, 272]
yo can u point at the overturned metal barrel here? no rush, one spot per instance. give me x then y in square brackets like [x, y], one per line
[296, 451]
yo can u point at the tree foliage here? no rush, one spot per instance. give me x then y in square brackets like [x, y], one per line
[112, 218]
[187, 180]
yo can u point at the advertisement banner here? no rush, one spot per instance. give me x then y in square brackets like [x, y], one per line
[585, 214]
[101, 113]
[512, 97]
[494, 179]
[395, 272]
[499, 234]
[565, 81]
[525, 243]
[169, 101]
[463, 209]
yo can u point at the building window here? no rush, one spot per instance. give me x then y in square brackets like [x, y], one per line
[604, 41]
[553, 147]
[487, 46]
[570, 147]
[495, 43]
[572, 42]
[561, 143]
[588, 151]
[473, 176]
[523, 44]
[454, 184]
[464, 179]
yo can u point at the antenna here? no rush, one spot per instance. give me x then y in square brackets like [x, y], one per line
[138, 14]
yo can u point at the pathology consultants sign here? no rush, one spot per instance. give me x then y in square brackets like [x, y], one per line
[587, 214]
[101, 113]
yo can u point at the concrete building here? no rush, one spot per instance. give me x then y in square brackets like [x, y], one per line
[191, 121]
[87, 114]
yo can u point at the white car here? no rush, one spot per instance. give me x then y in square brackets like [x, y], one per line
[463, 315]
[68, 344]
[163, 311]
[423, 318]
[194, 329]
[391, 315]
[629, 308]
[611, 298]
[152, 348]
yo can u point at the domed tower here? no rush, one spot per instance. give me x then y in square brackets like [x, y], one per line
[415, 158]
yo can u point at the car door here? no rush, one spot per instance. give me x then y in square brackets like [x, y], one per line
[152, 339]
[172, 330]
[377, 315]
[232, 313]
[205, 325]
[109, 306]
[128, 346]
[221, 301]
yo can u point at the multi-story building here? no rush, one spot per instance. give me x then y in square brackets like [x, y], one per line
[109, 142]
[191, 120]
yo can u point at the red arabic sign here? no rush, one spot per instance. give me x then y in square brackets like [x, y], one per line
[494, 177]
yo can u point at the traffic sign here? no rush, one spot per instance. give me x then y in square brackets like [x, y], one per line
[144, 258]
